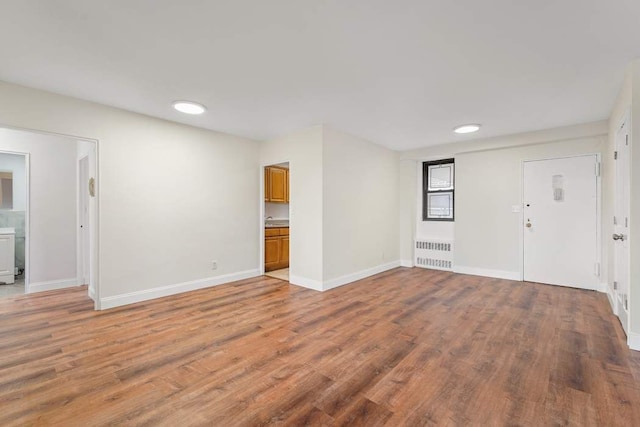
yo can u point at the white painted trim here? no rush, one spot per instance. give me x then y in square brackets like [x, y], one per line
[406, 263]
[498, 274]
[163, 291]
[315, 285]
[52, 284]
[634, 341]
[358, 275]
[92, 294]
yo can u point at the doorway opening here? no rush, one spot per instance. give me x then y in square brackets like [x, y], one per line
[13, 222]
[276, 221]
[40, 212]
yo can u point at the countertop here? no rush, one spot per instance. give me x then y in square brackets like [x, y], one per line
[277, 223]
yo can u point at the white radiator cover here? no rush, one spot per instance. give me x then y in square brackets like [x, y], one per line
[436, 254]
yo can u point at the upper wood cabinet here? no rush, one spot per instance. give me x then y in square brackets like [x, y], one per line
[276, 184]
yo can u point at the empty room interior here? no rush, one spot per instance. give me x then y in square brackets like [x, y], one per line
[319, 213]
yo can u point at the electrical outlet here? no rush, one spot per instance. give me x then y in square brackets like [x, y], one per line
[214, 265]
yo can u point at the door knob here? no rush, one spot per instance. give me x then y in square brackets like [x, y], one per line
[528, 225]
[618, 237]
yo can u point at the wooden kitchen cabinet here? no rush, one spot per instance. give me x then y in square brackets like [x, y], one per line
[276, 184]
[276, 248]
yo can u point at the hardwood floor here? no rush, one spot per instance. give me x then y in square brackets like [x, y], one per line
[406, 347]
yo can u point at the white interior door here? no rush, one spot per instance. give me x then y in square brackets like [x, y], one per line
[621, 226]
[560, 221]
[85, 259]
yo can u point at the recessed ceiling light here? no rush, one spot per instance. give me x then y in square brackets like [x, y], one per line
[467, 129]
[189, 107]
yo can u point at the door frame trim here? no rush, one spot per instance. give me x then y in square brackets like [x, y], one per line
[598, 212]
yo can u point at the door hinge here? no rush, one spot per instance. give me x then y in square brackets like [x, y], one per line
[597, 269]
[626, 222]
[626, 303]
[615, 221]
[626, 139]
[615, 286]
[597, 168]
[615, 155]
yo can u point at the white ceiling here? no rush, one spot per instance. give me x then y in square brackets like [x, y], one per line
[400, 73]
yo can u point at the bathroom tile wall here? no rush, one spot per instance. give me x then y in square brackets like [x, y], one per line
[16, 220]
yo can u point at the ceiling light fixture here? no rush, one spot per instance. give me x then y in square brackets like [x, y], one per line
[189, 107]
[466, 129]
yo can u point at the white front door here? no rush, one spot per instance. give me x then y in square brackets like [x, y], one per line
[560, 221]
[621, 226]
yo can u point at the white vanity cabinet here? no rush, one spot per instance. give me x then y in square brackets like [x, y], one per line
[7, 255]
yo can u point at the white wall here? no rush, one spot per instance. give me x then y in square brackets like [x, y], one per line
[407, 206]
[495, 160]
[488, 184]
[52, 221]
[360, 205]
[16, 164]
[303, 151]
[172, 197]
[276, 210]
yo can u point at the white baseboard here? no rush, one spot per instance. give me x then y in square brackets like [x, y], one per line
[52, 284]
[634, 341]
[358, 275]
[92, 293]
[163, 291]
[316, 285]
[406, 263]
[498, 274]
[612, 299]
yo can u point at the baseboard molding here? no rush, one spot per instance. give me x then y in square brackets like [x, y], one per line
[358, 275]
[634, 341]
[316, 285]
[163, 291]
[52, 285]
[406, 263]
[498, 274]
[92, 293]
[612, 299]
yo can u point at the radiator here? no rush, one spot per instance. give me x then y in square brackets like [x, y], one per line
[434, 253]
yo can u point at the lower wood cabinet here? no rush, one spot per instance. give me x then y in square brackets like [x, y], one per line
[276, 248]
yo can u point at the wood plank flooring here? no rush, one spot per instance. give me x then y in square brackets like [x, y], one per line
[405, 347]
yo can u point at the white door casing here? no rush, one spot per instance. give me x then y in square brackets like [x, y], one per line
[560, 221]
[621, 225]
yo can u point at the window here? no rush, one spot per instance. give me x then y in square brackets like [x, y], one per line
[438, 190]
